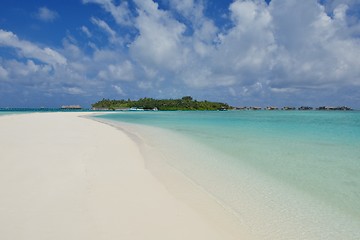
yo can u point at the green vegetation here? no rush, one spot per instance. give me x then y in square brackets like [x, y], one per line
[185, 103]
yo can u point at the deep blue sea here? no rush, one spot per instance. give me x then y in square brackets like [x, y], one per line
[285, 174]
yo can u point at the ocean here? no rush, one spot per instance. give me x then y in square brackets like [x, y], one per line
[284, 174]
[3, 113]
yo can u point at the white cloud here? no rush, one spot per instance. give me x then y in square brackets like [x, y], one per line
[330, 5]
[27, 73]
[106, 28]
[119, 90]
[183, 6]
[190, 9]
[314, 49]
[3, 73]
[86, 31]
[105, 55]
[240, 53]
[289, 45]
[159, 43]
[262, 52]
[121, 72]
[73, 90]
[245, 49]
[30, 50]
[71, 50]
[46, 15]
[28, 68]
[121, 12]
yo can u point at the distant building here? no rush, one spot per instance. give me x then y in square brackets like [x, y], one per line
[254, 108]
[342, 108]
[241, 108]
[272, 108]
[305, 108]
[288, 108]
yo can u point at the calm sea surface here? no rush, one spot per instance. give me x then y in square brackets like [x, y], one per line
[284, 173]
[2, 113]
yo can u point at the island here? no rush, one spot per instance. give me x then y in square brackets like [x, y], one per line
[184, 103]
[187, 103]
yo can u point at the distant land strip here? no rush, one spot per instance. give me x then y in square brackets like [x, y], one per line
[188, 103]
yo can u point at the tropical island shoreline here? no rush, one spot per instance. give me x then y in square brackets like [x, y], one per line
[187, 103]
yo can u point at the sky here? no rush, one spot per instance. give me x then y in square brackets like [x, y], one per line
[242, 52]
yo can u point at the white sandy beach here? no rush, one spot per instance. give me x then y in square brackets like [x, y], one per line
[67, 177]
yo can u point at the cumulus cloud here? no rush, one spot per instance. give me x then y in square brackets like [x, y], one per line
[192, 10]
[314, 49]
[330, 5]
[159, 43]
[276, 48]
[46, 15]
[121, 72]
[44, 71]
[3, 73]
[119, 90]
[245, 49]
[73, 90]
[106, 28]
[21, 69]
[87, 32]
[121, 12]
[263, 51]
[30, 50]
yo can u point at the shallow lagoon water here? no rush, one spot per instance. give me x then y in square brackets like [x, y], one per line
[283, 173]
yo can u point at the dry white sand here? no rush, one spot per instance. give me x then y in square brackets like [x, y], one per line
[67, 177]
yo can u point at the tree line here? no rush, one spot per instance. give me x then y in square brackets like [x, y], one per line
[184, 103]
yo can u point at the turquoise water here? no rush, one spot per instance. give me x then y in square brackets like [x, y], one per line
[299, 170]
[3, 113]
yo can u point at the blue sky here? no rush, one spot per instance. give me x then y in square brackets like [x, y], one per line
[243, 52]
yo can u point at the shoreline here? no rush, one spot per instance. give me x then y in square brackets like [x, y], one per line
[271, 209]
[221, 216]
[68, 177]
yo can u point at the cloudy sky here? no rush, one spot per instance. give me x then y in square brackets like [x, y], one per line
[243, 52]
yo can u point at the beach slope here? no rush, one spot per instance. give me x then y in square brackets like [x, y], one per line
[67, 177]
